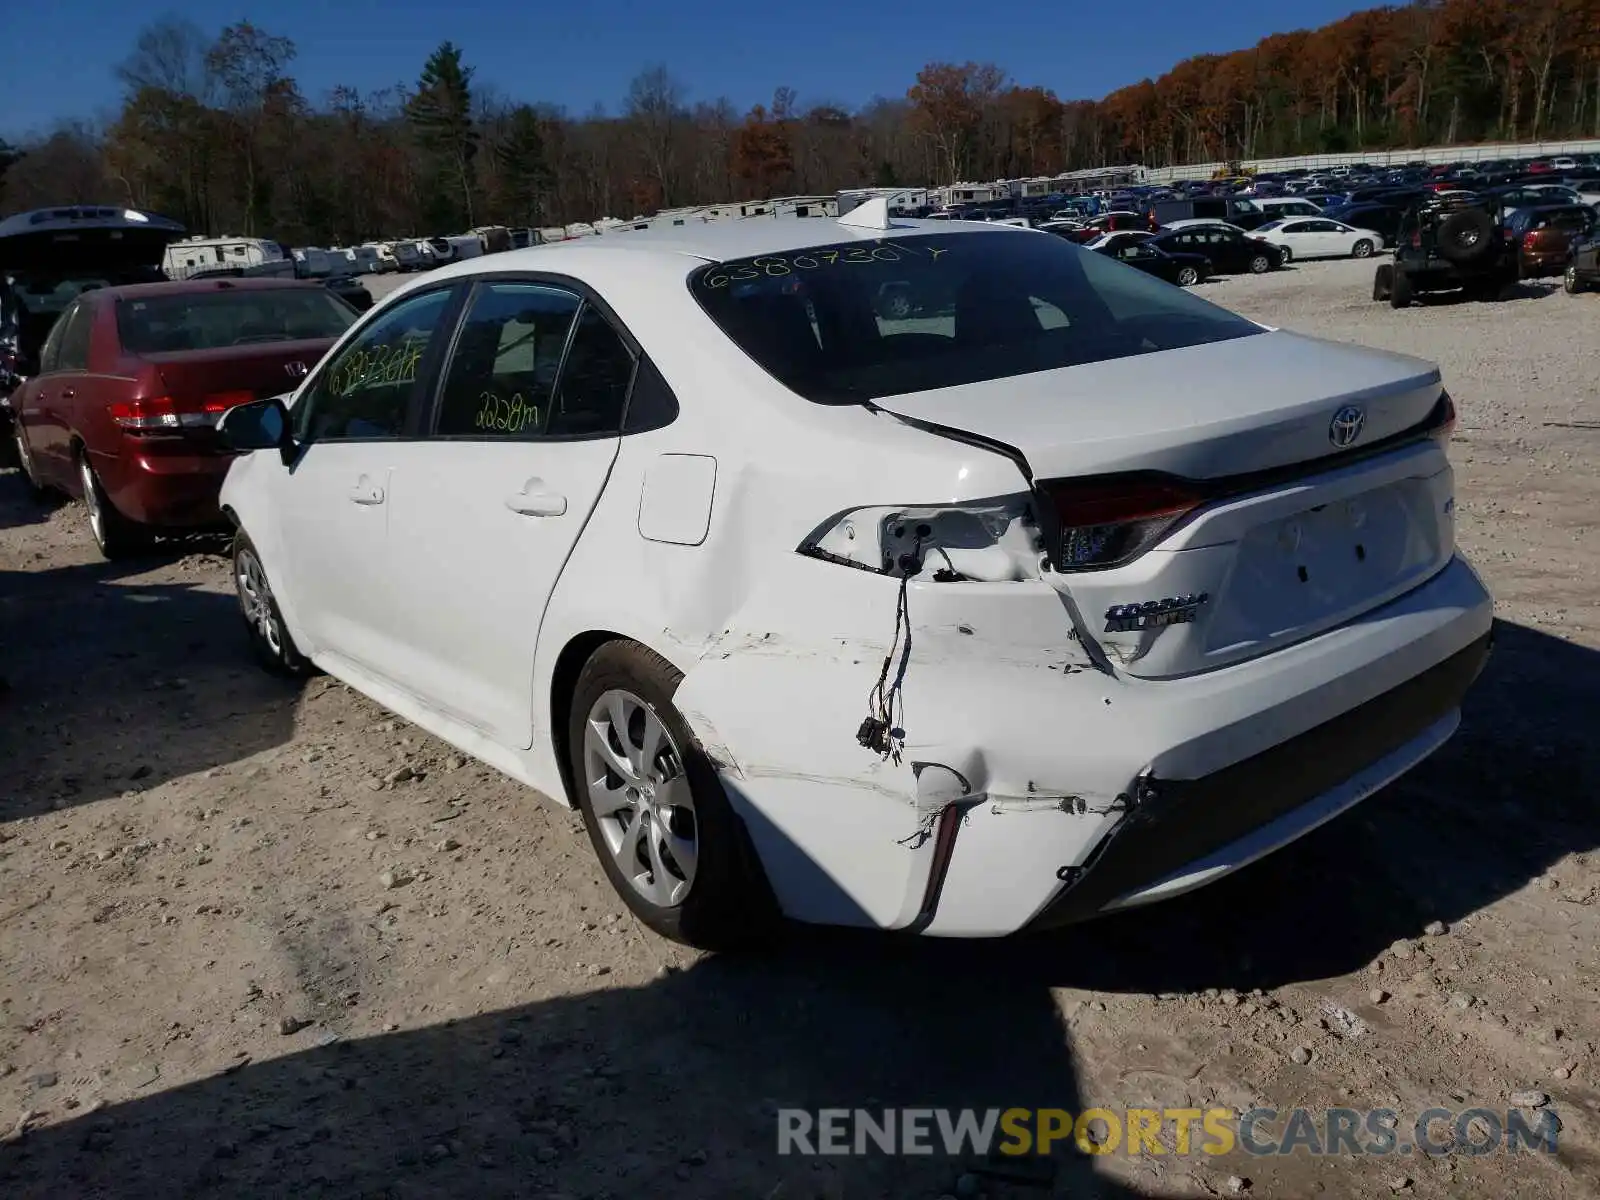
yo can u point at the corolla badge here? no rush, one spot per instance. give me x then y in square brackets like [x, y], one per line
[1346, 426]
[1155, 614]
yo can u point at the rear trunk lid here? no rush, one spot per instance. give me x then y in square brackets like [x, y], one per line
[203, 384]
[1214, 503]
[71, 240]
[1202, 412]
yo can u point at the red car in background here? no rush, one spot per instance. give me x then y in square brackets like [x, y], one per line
[121, 408]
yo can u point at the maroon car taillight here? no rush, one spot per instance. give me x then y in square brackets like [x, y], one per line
[1530, 242]
[1106, 522]
[161, 414]
[153, 414]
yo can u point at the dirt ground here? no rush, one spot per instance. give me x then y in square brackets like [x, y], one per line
[263, 940]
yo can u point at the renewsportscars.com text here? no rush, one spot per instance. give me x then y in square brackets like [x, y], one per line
[1177, 1131]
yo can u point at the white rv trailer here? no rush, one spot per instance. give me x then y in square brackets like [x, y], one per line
[199, 253]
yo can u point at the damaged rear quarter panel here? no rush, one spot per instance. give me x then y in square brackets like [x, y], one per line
[784, 687]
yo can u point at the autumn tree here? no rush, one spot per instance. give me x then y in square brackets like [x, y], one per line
[949, 103]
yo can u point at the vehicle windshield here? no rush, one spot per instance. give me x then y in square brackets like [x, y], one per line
[862, 320]
[210, 320]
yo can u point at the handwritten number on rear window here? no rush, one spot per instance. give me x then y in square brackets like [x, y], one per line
[778, 265]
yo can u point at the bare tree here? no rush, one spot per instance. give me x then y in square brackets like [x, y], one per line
[169, 55]
[655, 110]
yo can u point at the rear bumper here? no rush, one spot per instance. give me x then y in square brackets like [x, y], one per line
[1186, 833]
[1048, 762]
[170, 491]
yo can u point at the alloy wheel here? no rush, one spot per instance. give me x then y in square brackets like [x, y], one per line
[641, 798]
[255, 599]
[91, 499]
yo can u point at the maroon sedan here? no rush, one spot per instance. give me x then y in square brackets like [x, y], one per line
[122, 409]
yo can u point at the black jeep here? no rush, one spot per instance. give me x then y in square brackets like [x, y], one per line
[1449, 243]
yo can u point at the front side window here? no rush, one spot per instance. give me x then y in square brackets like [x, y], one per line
[366, 389]
[223, 317]
[970, 306]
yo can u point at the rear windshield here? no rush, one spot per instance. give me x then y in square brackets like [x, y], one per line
[215, 319]
[860, 320]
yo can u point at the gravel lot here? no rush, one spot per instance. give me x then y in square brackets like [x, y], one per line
[268, 941]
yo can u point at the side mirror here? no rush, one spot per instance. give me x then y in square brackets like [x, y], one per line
[259, 425]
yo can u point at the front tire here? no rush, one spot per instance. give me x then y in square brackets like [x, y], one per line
[1286, 255]
[657, 815]
[1570, 281]
[115, 535]
[1362, 249]
[269, 636]
[19, 447]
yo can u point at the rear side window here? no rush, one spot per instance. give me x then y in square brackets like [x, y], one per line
[213, 320]
[1210, 210]
[860, 320]
[73, 354]
[502, 374]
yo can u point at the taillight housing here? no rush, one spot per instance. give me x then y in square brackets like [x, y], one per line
[154, 414]
[994, 541]
[1442, 421]
[1530, 242]
[162, 414]
[1106, 521]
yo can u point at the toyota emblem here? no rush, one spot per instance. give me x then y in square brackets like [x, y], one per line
[1346, 426]
[296, 370]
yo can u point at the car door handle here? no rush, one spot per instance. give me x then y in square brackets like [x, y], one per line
[367, 494]
[537, 504]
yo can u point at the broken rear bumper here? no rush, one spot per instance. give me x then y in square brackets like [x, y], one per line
[1188, 832]
[1058, 771]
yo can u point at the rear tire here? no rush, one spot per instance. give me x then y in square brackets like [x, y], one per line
[1400, 291]
[1570, 281]
[1260, 264]
[661, 825]
[115, 535]
[269, 636]
[1188, 277]
[1383, 282]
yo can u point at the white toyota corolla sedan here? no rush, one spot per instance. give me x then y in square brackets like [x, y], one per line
[926, 576]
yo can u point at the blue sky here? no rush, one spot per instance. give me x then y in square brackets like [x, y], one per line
[578, 54]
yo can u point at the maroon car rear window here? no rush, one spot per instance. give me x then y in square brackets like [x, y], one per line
[181, 321]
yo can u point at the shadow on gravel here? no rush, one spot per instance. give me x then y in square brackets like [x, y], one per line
[116, 684]
[18, 505]
[1526, 289]
[669, 1090]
